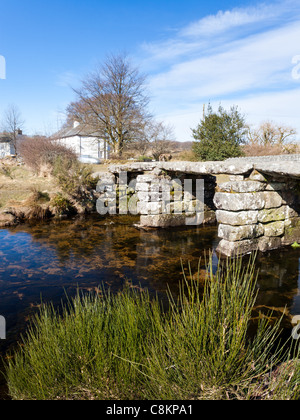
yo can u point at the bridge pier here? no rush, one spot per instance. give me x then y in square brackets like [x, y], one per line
[259, 212]
[169, 200]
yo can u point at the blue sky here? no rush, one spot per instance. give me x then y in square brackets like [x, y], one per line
[230, 53]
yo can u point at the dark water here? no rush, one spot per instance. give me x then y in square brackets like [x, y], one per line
[47, 261]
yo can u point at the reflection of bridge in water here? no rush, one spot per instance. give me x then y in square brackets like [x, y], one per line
[255, 201]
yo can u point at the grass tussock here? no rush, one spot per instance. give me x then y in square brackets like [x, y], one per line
[19, 186]
[35, 206]
[125, 346]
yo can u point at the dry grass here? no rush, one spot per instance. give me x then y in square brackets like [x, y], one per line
[269, 150]
[28, 194]
[186, 155]
[20, 187]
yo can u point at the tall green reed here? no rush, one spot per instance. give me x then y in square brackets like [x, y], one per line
[126, 346]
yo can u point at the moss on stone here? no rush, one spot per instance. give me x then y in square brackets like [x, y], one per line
[271, 215]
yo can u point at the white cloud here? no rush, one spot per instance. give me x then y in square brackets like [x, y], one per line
[214, 31]
[224, 21]
[251, 68]
[257, 62]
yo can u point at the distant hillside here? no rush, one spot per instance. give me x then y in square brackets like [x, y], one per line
[180, 146]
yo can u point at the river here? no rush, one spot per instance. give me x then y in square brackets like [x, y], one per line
[43, 262]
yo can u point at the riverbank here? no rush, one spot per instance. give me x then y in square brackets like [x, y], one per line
[25, 195]
[17, 184]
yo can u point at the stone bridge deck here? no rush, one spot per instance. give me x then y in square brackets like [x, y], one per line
[257, 205]
[283, 165]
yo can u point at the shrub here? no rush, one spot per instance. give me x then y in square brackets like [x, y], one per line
[144, 159]
[73, 177]
[125, 346]
[270, 139]
[220, 135]
[252, 149]
[61, 205]
[38, 196]
[41, 152]
[187, 155]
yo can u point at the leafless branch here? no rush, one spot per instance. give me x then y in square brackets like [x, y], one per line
[12, 123]
[113, 102]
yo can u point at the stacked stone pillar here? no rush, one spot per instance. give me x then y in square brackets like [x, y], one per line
[257, 212]
[163, 201]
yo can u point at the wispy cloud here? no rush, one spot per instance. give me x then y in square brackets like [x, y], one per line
[228, 57]
[259, 61]
[224, 21]
[67, 79]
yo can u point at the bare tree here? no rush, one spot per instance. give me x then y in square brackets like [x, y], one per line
[160, 137]
[12, 124]
[113, 102]
[139, 147]
[270, 134]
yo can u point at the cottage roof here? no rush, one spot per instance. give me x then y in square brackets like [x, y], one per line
[4, 138]
[77, 130]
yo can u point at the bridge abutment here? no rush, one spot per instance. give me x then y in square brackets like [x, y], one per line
[258, 212]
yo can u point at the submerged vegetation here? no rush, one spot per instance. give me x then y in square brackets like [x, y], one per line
[127, 346]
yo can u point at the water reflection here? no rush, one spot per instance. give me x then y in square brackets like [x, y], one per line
[278, 281]
[50, 260]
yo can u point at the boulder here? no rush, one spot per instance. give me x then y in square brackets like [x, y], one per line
[242, 186]
[249, 217]
[291, 231]
[272, 199]
[162, 220]
[239, 202]
[256, 176]
[149, 196]
[275, 186]
[268, 243]
[289, 168]
[274, 228]
[233, 249]
[272, 215]
[238, 233]
[146, 207]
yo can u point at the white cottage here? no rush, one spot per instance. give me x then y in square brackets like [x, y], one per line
[6, 145]
[6, 148]
[85, 142]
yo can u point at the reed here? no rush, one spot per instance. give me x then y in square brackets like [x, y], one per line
[126, 346]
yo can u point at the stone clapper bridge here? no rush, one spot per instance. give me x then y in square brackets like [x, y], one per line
[255, 201]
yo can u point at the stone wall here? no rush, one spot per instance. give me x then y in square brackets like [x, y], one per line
[257, 212]
[161, 199]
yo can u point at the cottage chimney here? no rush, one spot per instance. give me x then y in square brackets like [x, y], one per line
[76, 124]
